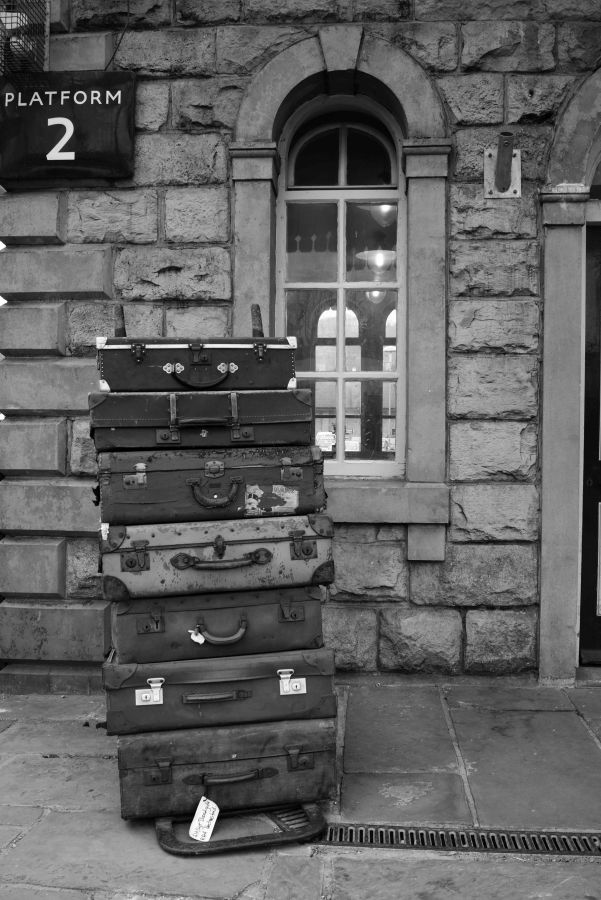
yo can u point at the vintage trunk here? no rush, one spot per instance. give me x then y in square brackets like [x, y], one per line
[197, 485]
[166, 773]
[230, 555]
[156, 364]
[266, 687]
[217, 625]
[131, 421]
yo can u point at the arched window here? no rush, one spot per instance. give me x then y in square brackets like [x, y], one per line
[341, 284]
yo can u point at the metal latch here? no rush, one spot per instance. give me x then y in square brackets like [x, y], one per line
[138, 351]
[136, 559]
[214, 468]
[297, 759]
[152, 623]
[302, 547]
[291, 612]
[290, 685]
[289, 472]
[152, 697]
[160, 775]
[260, 350]
[138, 480]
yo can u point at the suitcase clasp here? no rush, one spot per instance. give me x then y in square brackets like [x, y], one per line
[302, 547]
[138, 480]
[214, 468]
[160, 775]
[152, 697]
[288, 471]
[290, 685]
[153, 623]
[138, 351]
[299, 760]
[137, 559]
[260, 350]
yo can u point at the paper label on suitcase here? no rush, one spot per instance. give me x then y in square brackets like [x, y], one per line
[262, 499]
[203, 823]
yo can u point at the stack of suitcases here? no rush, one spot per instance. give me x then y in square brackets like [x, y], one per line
[215, 554]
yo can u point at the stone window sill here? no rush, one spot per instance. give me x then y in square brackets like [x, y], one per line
[387, 501]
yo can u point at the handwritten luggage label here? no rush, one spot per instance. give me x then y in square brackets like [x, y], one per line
[201, 826]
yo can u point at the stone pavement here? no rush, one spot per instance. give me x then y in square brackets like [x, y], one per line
[502, 753]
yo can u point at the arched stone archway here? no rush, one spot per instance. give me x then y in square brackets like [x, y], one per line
[576, 147]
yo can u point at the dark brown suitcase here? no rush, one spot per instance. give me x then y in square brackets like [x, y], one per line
[229, 555]
[166, 773]
[198, 485]
[205, 626]
[267, 687]
[132, 421]
[160, 364]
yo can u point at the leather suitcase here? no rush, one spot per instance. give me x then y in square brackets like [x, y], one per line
[267, 687]
[198, 485]
[230, 555]
[131, 421]
[165, 773]
[159, 364]
[217, 625]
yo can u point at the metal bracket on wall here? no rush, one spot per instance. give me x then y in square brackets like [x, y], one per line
[502, 170]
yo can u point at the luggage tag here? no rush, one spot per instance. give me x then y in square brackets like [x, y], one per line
[201, 826]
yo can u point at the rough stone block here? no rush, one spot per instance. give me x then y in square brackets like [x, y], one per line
[60, 16]
[86, 322]
[198, 103]
[426, 542]
[197, 321]
[46, 678]
[160, 273]
[500, 451]
[30, 330]
[31, 219]
[286, 11]
[186, 159]
[420, 640]
[173, 52]
[73, 632]
[246, 49]
[49, 387]
[84, 581]
[494, 268]
[433, 44]
[532, 98]
[474, 99]
[89, 14]
[500, 641]
[32, 567]
[33, 446]
[82, 455]
[152, 105]
[389, 10]
[510, 325]
[206, 12]
[197, 215]
[490, 387]
[129, 216]
[579, 45]
[351, 631]
[475, 216]
[494, 512]
[369, 567]
[508, 46]
[493, 575]
[79, 52]
[143, 319]
[532, 140]
[63, 506]
[32, 273]
[509, 9]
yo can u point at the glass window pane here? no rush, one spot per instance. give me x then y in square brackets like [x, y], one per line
[317, 162]
[370, 349]
[370, 420]
[311, 319]
[371, 230]
[324, 414]
[311, 242]
[368, 160]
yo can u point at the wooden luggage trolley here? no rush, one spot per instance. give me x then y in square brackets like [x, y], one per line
[215, 554]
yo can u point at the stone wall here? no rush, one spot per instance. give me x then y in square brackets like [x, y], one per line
[153, 256]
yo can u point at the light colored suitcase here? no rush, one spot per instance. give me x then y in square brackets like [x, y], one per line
[229, 555]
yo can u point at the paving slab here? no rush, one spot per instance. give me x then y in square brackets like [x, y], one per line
[57, 738]
[34, 707]
[27, 892]
[587, 701]
[500, 697]
[391, 729]
[24, 816]
[404, 799]
[530, 769]
[102, 852]
[295, 876]
[88, 783]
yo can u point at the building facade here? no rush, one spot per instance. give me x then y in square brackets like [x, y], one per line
[339, 163]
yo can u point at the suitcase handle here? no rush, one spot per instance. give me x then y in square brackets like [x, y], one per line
[217, 639]
[214, 502]
[200, 385]
[258, 557]
[253, 775]
[208, 698]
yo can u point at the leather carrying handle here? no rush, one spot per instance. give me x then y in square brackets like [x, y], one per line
[228, 639]
[258, 557]
[215, 698]
[198, 385]
[214, 502]
[252, 775]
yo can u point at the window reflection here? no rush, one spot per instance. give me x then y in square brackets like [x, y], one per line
[311, 318]
[317, 162]
[370, 347]
[312, 242]
[371, 242]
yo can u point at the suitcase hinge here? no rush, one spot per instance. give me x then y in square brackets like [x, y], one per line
[302, 547]
[153, 623]
[136, 559]
[138, 351]
[162, 776]
[260, 350]
[152, 697]
[291, 612]
[138, 480]
[290, 685]
[299, 760]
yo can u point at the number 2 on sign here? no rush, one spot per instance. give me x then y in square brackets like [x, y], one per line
[57, 151]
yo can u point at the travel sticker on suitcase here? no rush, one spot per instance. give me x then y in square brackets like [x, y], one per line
[228, 555]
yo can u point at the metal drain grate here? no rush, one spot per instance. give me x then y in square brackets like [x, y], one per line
[470, 839]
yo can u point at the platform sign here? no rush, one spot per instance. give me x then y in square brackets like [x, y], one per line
[67, 126]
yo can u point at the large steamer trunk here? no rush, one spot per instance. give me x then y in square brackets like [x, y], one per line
[200, 485]
[157, 364]
[166, 773]
[133, 421]
[205, 626]
[238, 555]
[195, 693]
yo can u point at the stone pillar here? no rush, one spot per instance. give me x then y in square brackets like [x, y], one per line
[562, 432]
